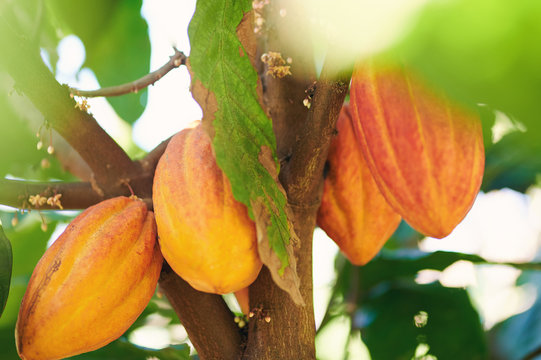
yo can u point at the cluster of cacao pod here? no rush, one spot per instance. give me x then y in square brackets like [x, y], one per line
[98, 276]
[403, 150]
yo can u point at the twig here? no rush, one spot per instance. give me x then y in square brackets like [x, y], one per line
[533, 354]
[76, 195]
[133, 87]
[150, 161]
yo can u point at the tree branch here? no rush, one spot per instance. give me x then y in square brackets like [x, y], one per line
[103, 155]
[150, 161]
[206, 317]
[310, 152]
[174, 62]
[279, 329]
[76, 195]
[80, 195]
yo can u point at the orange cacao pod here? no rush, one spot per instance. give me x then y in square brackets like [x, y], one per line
[205, 234]
[425, 153]
[243, 298]
[353, 212]
[92, 283]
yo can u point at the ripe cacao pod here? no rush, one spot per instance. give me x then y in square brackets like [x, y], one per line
[425, 152]
[92, 283]
[243, 299]
[205, 235]
[353, 212]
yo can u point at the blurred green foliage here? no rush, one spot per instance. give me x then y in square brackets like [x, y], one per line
[481, 51]
[382, 298]
[122, 349]
[116, 43]
[6, 266]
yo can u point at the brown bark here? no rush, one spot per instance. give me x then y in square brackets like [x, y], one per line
[206, 317]
[279, 329]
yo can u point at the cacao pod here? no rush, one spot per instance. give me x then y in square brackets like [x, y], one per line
[205, 235]
[243, 298]
[425, 152]
[353, 212]
[92, 283]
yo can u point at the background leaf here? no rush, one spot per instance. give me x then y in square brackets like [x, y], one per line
[518, 336]
[513, 162]
[452, 331]
[481, 51]
[116, 43]
[243, 134]
[382, 298]
[123, 349]
[19, 122]
[6, 264]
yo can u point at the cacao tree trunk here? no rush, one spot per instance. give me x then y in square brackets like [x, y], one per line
[280, 329]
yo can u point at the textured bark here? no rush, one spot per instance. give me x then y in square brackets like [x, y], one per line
[279, 329]
[206, 317]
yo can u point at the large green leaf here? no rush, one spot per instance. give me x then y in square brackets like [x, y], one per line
[116, 42]
[6, 264]
[482, 51]
[382, 299]
[517, 337]
[452, 330]
[513, 162]
[243, 139]
[354, 282]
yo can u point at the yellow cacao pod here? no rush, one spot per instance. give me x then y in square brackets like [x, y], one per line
[353, 212]
[425, 153]
[205, 235]
[92, 283]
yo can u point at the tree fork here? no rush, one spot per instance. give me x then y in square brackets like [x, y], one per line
[206, 317]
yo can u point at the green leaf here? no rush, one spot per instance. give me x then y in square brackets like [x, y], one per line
[481, 51]
[19, 123]
[225, 85]
[116, 43]
[517, 337]
[6, 265]
[122, 349]
[388, 267]
[403, 264]
[452, 330]
[386, 298]
[513, 162]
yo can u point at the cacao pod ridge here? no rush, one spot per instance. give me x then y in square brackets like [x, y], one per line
[353, 212]
[425, 153]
